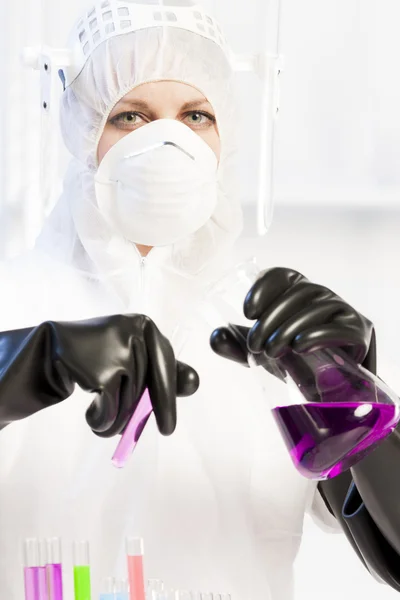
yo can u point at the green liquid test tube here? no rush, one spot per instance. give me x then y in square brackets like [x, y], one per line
[82, 571]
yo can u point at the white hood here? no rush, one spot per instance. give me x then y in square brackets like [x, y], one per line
[76, 233]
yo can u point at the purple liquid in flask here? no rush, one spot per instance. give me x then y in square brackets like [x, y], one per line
[347, 412]
[339, 412]
[325, 439]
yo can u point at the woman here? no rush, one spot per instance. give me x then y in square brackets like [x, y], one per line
[151, 108]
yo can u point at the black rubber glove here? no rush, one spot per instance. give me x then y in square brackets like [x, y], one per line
[377, 551]
[292, 313]
[115, 357]
[377, 478]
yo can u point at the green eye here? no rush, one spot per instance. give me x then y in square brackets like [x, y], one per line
[126, 120]
[196, 118]
[127, 117]
[200, 119]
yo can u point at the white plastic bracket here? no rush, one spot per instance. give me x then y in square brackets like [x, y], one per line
[46, 60]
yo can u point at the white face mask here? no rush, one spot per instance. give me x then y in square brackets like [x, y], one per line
[158, 184]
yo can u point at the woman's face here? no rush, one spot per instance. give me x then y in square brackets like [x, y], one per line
[160, 100]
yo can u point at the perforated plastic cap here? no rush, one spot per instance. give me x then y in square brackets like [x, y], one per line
[109, 18]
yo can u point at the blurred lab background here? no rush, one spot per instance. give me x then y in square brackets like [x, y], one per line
[336, 174]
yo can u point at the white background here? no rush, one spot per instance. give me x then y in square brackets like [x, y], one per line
[336, 171]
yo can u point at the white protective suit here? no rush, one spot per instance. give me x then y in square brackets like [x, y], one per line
[219, 504]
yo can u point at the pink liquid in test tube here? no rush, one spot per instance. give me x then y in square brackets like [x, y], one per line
[43, 589]
[134, 551]
[133, 431]
[31, 569]
[54, 569]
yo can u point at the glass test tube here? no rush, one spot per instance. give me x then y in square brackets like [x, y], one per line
[133, 431]
[121, 589]
[31, 569]
[54, 569]
[43, 587]
[134, 552]
[154, 585]
[108, 589]
[164, 595]
[82, 571]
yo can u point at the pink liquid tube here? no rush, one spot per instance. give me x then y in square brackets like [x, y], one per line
[43, 588]
[31, 569]
[54, 569]
[133, 431]
[134, 552]
[31, 581]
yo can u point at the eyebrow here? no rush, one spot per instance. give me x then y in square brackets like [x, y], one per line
[142, 104]
[195, 104]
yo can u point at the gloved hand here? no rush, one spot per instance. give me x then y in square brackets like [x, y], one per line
[115, 357]
[295, 316]
[292, 313]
